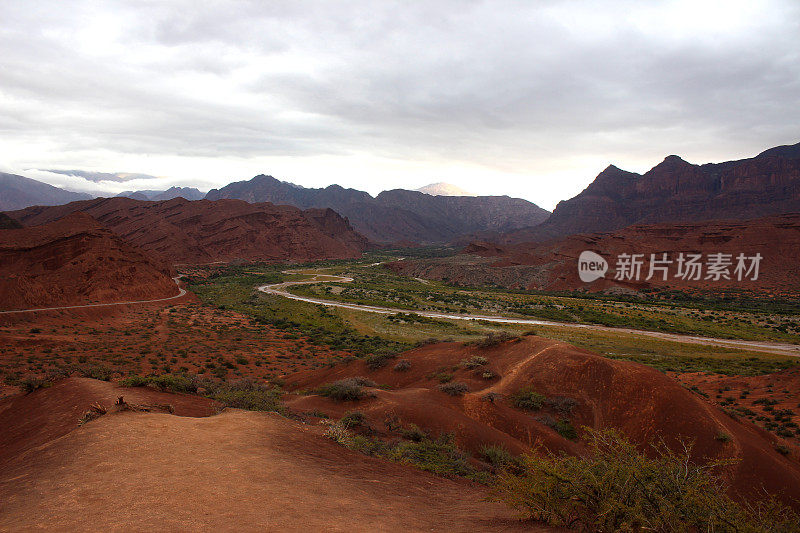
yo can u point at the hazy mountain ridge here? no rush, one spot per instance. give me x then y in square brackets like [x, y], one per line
[18, 192]
[397, 215]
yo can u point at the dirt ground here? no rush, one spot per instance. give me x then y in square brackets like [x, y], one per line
[144, 339]
[236, 471]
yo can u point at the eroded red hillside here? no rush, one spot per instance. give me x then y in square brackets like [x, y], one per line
[75, 261]
[643, 403]
[205, 231]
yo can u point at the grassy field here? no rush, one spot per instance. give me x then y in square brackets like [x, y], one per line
[362, 333]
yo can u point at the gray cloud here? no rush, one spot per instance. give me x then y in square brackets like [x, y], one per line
[513, 87]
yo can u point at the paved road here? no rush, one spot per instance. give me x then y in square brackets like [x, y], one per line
[181, 292]
[280, 289]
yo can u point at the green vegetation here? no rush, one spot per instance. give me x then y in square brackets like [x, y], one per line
[455, 388]
[618, 488]
[240, 394]
[375, 336]
[345, 390]
[440, 455]
[528, 399]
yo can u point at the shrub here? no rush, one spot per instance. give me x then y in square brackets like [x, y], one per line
[561, 404]
[376, 361]
[164, 382]
[413, 433]
[722, 437]
[349, 389]
[493, 339]
[261, 399]
[439, 456]
[528, 399]
[353, 419]
[402, 365]
[496, 455]
[473, 362]
[618, 488]
[32, 383]
[454, 389]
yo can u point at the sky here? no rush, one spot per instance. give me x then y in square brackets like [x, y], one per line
[531, 99]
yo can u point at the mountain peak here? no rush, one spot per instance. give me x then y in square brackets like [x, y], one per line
[444, 189]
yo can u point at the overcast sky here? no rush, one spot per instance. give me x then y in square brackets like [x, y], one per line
[531, 99]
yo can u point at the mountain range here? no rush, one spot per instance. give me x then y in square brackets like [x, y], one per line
[677, 191]
[17, 192]
[396, 216]
[189, 193]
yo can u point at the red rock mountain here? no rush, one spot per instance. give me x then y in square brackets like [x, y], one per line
[203, 231]
[677, 191]
[76, 261]
[397, 215]
[553, 265]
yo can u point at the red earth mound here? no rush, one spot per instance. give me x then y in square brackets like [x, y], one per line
[205, 231]
[236, 471]
[554, 265]
[76, 261]
[643, 403]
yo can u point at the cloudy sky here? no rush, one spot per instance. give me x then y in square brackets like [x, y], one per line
[530, 99]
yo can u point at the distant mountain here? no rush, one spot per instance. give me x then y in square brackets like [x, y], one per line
[17, 192]
[189, 193]
[398, 215]
[203, 231]
[677, 191]
[444, 189]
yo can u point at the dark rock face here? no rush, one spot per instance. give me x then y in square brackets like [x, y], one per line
[677, 191]
[182, 231]
[17, 192]
[397, 215]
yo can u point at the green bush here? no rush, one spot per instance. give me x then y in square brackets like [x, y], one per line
[349, 389]
[455, 388]
[164, 382]
[528, 399]
[353, 419]
[496, 455]
[493, 339]
[473, 362]
[618, 488]
[402, 365]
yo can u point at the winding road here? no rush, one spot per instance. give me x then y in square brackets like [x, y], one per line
[280, 289]
[181, 292]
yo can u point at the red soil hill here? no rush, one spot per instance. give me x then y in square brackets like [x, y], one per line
[641, 402]
[236, 471]
[76, 261]
[205, 231]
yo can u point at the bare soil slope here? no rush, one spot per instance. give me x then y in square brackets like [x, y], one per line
[76, 261]
[237, 471]
[643, 403]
